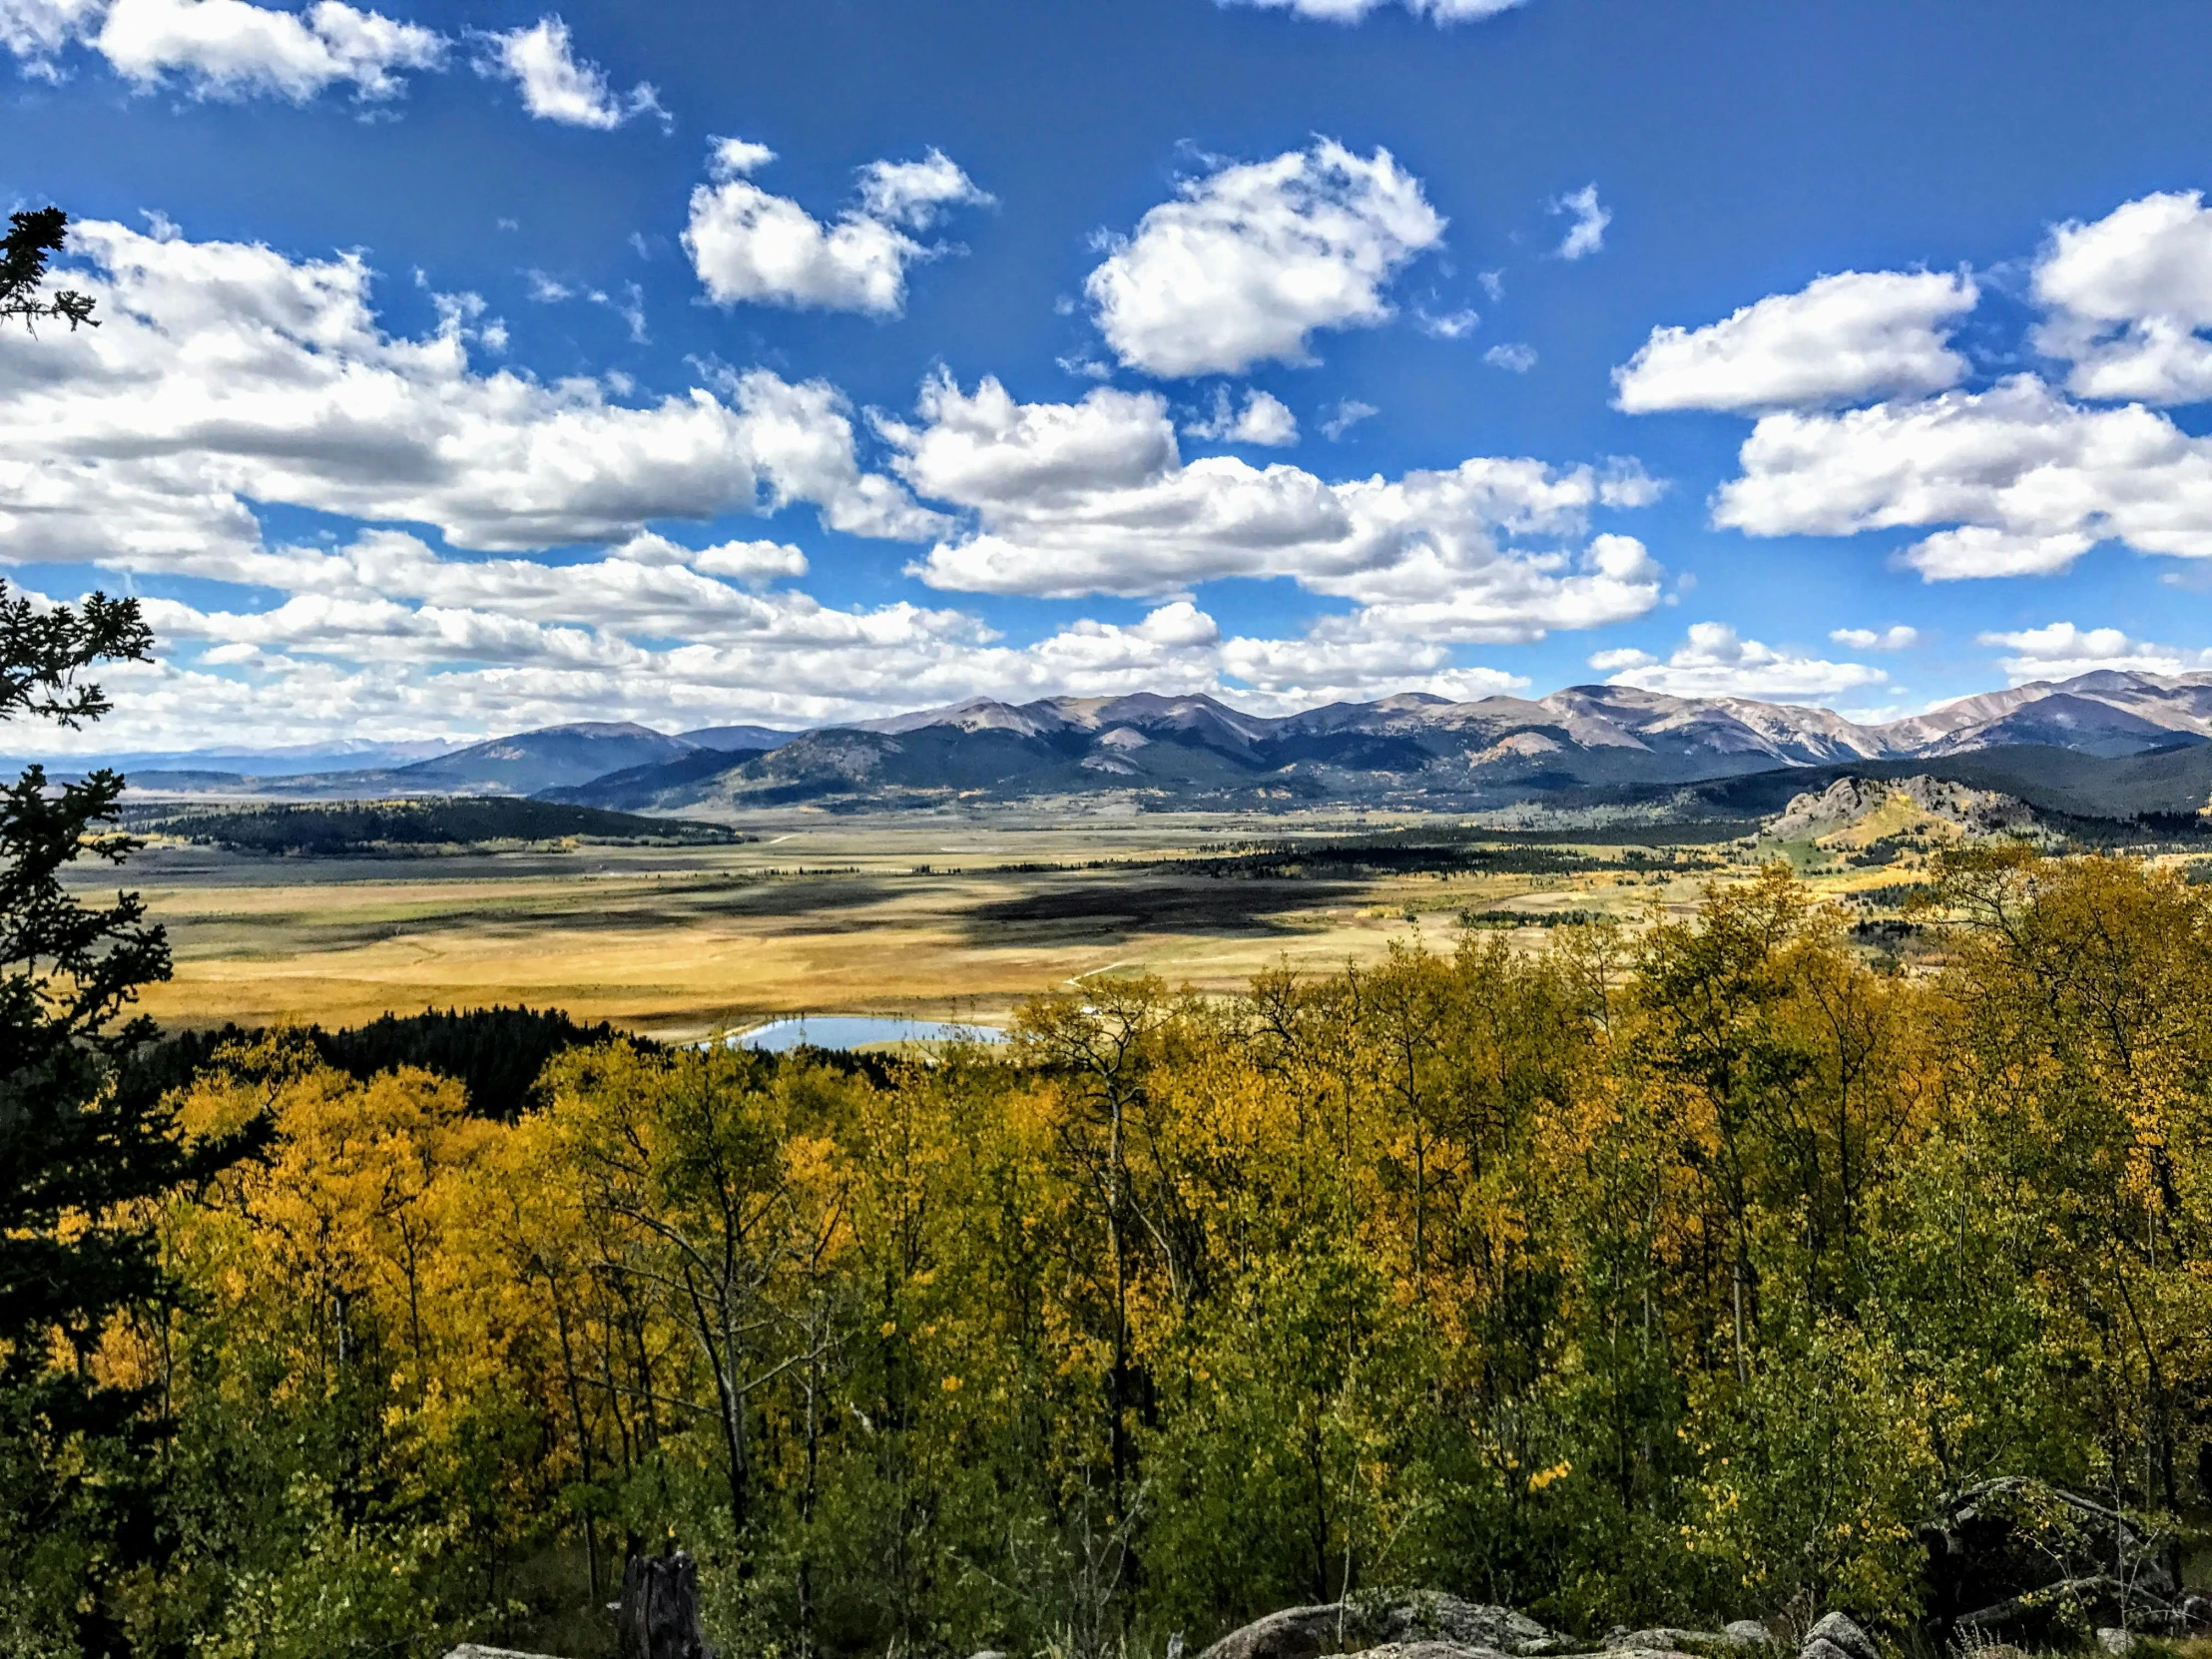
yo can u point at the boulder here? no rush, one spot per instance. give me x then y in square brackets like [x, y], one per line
[475, 1650]
[1396, 1619]
[1837, 1637]
[1749, 1633]
[1666, 1639]
[1428, 1650]
[1293, 1633]
[1428, 1617]
[2115, 1641]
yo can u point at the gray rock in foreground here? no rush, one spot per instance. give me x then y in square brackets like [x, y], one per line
[1398, 1620]
[1837, 1637]
[1666, 1639]
[1426, 1650]
[474, 1650]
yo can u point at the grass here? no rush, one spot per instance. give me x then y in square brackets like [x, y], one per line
[935, 917]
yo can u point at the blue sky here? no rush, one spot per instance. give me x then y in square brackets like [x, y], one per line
[472, 368]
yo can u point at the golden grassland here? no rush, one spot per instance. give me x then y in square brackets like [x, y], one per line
[936, 919]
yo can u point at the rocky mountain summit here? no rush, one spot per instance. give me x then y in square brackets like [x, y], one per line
[1409, 752]
[1412, 751]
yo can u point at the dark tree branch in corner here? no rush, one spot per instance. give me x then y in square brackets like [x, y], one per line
[32, 238]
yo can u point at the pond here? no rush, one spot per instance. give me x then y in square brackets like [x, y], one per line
[859, 1031]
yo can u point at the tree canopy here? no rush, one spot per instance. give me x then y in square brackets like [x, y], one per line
[1655, 1278]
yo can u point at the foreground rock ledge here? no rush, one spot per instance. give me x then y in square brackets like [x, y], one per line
[1426, 1624]
[1417, 1624]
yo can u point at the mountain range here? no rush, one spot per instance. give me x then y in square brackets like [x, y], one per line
[1409, 750]
[524, 764]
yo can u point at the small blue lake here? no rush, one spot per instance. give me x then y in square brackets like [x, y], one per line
[858, 1032]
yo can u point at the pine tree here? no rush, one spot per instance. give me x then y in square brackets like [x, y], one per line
[77, 1151]
[71, 1149]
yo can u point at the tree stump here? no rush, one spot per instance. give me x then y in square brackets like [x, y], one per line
[659, 1616]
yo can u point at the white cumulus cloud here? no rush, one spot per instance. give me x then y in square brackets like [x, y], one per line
[2060, 651]
[230, 49]
[1896, 638]
[37, 30]
[1841, 339]
[2018, 478]
[1263, 419]
[386, 636]
[748, 245]
[1065, 499]
[2130, 298]
[2026, 480]
[558, 86]
[1714, 661]
[226, 375]
[1250, 261]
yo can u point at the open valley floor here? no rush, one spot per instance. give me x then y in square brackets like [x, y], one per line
[934, 918]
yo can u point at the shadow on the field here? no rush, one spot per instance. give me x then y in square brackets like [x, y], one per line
[1102, 908]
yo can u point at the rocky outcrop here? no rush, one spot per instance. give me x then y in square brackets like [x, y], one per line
[1848, 800]
[1411, 1625]
[1837, 1637]
[1740, 1636]
[1292, 1633]
[1428, 1650]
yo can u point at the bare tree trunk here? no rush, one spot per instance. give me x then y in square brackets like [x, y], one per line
[722, 1363]
[1743, 1359]
[583, 1434]
[806, 1497]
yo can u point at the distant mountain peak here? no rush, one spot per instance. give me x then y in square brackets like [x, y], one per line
[1415, 747]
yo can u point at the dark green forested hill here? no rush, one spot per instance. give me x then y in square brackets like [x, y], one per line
[495, 1054]
[354, 827]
